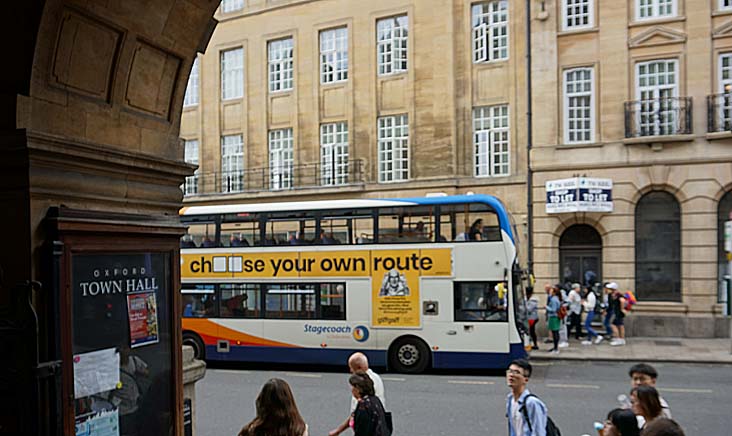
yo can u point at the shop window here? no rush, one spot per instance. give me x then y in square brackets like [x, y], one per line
[481, 301]
[658, 248]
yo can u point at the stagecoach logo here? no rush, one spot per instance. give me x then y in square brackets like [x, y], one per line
[361, 333]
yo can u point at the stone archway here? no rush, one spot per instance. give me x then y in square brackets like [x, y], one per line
[90, 102]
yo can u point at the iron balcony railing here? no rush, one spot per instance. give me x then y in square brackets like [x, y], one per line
[275, 178]
[719, 112]
[658, 116]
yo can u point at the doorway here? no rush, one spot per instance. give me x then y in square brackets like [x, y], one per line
[580, 256]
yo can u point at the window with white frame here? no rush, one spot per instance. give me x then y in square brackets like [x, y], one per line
[191, 157]
[578, 14]
[280, 159]
[334, 55]
[491, 141]
[490, 31]
[280, 61]
[392, 35]
[657, 90]
[579, 107]
[725, 5]
[232, 163]
[232, 74]
[649, 9]
[191, 98]
[231, 5]
[393, 148]
[334, 154]
[724, 102]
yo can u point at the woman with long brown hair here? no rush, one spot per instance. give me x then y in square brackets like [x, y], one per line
[646, 403]
[277, 413]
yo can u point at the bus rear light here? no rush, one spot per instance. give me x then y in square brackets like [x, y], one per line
[324, 345]
[435, 348]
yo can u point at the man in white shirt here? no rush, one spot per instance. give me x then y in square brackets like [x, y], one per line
[358, 362]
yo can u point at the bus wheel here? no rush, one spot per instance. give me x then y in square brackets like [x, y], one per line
[409, 355]
[192, 339]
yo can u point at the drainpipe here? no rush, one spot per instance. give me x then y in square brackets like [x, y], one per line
[529, 173]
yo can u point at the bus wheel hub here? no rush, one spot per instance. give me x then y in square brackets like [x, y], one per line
[408, 354]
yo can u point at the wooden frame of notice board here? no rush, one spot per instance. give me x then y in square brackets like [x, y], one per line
[116, 283]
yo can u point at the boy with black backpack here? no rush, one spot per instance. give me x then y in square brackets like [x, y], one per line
[526, 413]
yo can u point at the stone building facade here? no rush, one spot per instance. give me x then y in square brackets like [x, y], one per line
[388, 98]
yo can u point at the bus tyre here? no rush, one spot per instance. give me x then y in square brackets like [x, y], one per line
[193, 340]
[409, 355]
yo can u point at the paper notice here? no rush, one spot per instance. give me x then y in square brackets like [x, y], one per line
[95, 372]
[105, 423]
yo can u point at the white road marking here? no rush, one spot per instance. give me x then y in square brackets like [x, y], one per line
[688, 391]
[470, 382]
[558, 385]
[302, 374]
[229, 371]
[393, 379]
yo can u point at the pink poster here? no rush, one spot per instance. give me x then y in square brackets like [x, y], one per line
[142, 312]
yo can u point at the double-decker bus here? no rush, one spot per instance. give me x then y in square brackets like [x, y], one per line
[412, 283]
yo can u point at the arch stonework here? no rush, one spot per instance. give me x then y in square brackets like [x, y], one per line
[91, 116]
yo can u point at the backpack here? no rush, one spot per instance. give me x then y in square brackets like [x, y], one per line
[598, 302]
[630, 300]
[562, 312]
[551, 428]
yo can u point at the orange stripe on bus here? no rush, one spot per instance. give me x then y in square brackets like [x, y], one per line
[211, 332]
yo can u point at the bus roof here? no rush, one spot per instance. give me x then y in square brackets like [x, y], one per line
[293, 206]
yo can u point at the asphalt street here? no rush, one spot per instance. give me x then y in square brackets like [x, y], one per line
[460, 403]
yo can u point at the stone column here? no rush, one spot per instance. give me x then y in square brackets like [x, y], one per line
[193, 371]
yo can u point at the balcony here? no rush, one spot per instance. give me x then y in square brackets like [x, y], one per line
[719, 113]
[275, 178]
[665, 116]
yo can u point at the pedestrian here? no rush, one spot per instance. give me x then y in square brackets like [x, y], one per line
[532, 313]
[620, 422]
[277, 413]
[617, 302]
[663, 427]
[358, 362]
[369, 417]
[575, 310]
[563, 336]
[645, 403]
[553, 324]
[526, 413]
[607, 290]
[644, 374]
[590, 303]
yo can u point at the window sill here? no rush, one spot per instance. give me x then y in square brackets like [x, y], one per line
[722, 12]
[191, 108]
[660, 139]
[581, 31]
[284, 92]
[491, 64]
[391, 76]
[711, 136]
[331, 85]
[655, 21]
[582, 145]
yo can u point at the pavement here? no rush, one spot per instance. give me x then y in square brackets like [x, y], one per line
[681, 350]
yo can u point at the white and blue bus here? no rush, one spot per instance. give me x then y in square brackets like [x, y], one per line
[412, 283]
